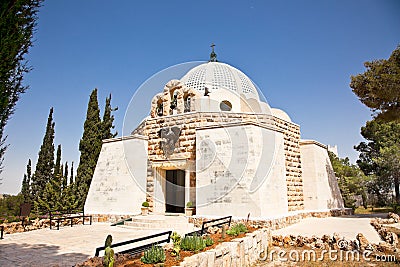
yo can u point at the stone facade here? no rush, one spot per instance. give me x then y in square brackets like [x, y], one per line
[186, 148]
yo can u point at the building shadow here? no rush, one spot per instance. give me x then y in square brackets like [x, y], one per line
[12, 254]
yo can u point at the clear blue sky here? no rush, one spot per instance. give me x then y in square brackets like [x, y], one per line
[300, 53]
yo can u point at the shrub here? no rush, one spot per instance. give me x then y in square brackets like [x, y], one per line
[145, 204]
[193, 243]
[237, 229]
[189, 204]
[108, 260]
[155, 254]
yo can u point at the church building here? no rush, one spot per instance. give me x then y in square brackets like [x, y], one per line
[211, 141]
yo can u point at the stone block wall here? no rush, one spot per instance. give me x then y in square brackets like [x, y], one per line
[186, 146]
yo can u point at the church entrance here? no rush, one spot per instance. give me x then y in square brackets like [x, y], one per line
[175, 191]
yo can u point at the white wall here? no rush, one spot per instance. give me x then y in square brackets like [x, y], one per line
[240, 170]
[119, 179]
[321, 190]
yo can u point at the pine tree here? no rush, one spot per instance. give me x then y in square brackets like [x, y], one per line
[45, 164]
[89, 146]
[51, 197]
[108, 120]
[26, 183]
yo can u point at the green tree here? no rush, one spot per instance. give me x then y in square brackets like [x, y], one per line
[65, 176]
[89, 146]
[17, 23]
[379, 157]
[351, 180]
[57, 167]
[45, 164]
[379, 86]
[26, 183]
[108, 120]
[51, 197]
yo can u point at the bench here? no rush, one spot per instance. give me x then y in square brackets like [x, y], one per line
[139, 248]
[211, 223]
[71, 215]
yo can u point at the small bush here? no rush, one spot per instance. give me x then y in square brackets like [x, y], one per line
[145, 204]
[155, 254]
[189, 204]
[209, 241]
[176, 239]
[237, 229]
[193, 243]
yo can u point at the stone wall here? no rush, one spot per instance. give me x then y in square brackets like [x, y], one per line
[186, 147]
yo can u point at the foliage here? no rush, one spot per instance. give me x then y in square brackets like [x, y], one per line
[189, 204]
[9, 205]
[209, 241]
[17, 23]
[108, 120]
[45, 163]
[237, 229]
[176, 240]
[145, 204]
[108, 260]
[351, 180]
[380, 158]
[26, 183]
[193, 243]
[89, 146]
[379, 86]
[155, 254]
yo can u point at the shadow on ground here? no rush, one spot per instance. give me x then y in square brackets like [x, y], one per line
[372, 215]
[12, 254]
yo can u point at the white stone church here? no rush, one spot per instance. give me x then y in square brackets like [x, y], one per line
[210, 140]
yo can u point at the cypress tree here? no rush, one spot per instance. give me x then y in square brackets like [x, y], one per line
[17, 23]
[71, 178]
[45, 164]
[89, 146]
[108, 120]
[26, 183]
[65, 178]
[57, 166]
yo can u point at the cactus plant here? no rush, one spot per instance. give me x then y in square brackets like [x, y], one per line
[176, 239]
[155, 254]
[108, 259]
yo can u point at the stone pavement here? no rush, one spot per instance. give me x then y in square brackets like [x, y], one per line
[64, 247]
[347, 227]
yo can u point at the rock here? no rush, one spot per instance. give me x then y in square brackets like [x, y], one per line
[385, 247]
[362, 240]
[394, 216]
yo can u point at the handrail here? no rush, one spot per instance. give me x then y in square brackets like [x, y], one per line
[204, 227]
[140, 248]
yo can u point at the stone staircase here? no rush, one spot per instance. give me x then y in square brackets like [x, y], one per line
[178, 223]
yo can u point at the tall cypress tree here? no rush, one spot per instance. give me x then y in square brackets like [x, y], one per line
[45, 164]
[17, 23]
[71, 177]
[108, 120]
[57, 166]
[89, 146]
[26, 183]
[65, 178]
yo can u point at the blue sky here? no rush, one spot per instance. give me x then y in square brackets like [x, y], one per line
[300, 53]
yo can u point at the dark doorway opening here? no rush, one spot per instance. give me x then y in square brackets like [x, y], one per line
[175, 191]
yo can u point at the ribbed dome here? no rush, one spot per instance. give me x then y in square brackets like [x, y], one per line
[215, 75]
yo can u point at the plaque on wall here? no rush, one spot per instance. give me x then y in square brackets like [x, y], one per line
[170, 137]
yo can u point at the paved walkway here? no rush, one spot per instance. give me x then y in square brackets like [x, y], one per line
[65, 247]
[347, 227]
[71, 245]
